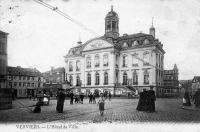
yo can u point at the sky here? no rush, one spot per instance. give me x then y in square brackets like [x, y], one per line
[40, 38]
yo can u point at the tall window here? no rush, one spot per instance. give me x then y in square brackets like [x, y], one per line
[105, 60]
[124, 59]
[71, 80]
[97, 78]
[88, 79]
[125, 79]
[146, 77]
[146, 58]
[88, 62]
[97, 61]
[135, 77]
[70, 66]
[78, 65]
[105, 78]
[135, 59]
[78, 83]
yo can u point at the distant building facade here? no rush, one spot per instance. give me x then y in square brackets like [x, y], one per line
[195, 84]
[171, 83]
[24, 81]
[113, 62]
[54, 79]
[5, 92]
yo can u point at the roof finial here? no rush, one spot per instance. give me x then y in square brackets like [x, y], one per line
[152, 21]
[111, 7]
[79, 38]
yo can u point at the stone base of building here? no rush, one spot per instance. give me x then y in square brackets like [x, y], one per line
[5, 98]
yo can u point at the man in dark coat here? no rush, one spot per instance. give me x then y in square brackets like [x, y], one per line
[151, 100]
[196, 98]
[187, 99]
[60, 101]
[71, 97]
[142, 103]
[81, 98]
[90, 98]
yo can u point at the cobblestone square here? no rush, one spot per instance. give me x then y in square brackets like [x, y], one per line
[116, 110]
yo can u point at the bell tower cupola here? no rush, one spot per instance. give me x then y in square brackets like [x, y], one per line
[111, 24]
[152, 30]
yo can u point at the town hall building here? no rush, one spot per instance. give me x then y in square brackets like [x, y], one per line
[116, 63]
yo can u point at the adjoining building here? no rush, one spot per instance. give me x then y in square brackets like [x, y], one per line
[195, 84]
[24, 82]
[171, 83]
[54, 79]
[116, 63]
[5, 92]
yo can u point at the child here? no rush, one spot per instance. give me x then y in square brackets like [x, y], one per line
[101, 104]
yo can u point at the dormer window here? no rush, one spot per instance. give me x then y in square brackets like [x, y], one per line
[125, 44]
[146, 41]
[135, 43]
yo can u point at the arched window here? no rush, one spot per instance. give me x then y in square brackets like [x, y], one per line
[105, 78]
[125, 79]
[105, 60]
[135, 60]
[88, 79]
[88, 62]
[71, 80]
[78, 65]
[146, 76]
[70, 66]
[125, 61]
[135, 77]
[78, 83]
[96, 78]
[146, 58]
[97, 61]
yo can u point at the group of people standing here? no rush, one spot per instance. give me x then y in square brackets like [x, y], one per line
[147, 100]
[76, 98]
[92, 98]
[195, 98]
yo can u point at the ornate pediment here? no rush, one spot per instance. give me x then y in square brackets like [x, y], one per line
[97, 44]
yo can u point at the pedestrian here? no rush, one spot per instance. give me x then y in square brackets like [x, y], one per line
[94, 98]
[101, 104]
[196, 98]
[37, 108]
[109, 95]
[142, 103]
[90, 98]
[60, 101]
[81, 98]
[71, 97]
[76, 98]
[186, 99]
[151, 98]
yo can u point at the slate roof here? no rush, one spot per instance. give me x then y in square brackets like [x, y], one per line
[19, 71]
[142, 40]
[196, 79]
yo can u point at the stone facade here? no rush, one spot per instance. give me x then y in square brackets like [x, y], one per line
[112, 62]
[24, 81]
[171, 83]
